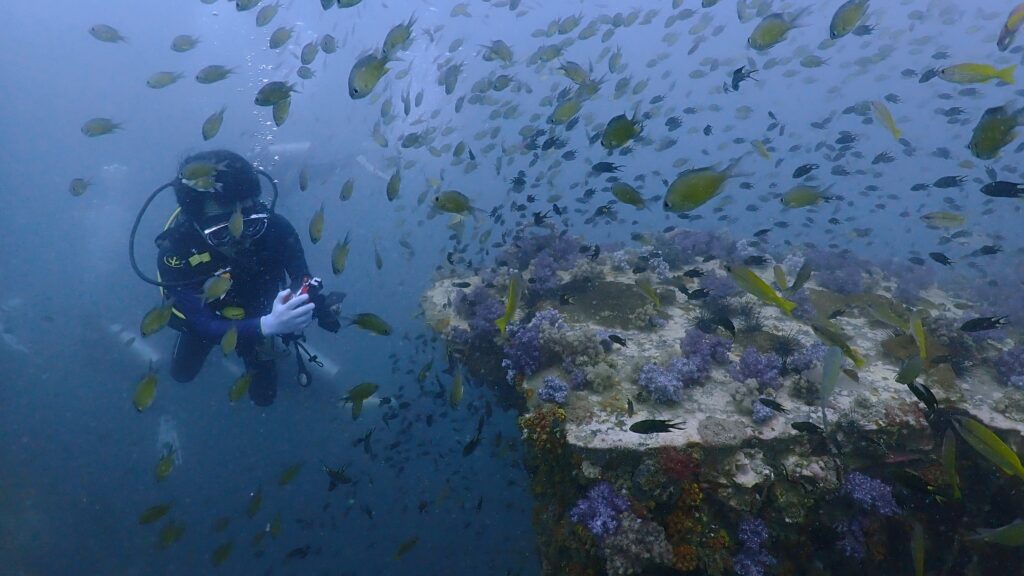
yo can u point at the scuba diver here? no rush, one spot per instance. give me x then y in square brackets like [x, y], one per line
[223, 260]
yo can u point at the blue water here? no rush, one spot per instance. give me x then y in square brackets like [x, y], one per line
[78, 461]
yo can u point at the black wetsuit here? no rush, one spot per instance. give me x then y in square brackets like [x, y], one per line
[271, 262]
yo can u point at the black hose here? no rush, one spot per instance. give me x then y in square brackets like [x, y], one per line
[142, 212]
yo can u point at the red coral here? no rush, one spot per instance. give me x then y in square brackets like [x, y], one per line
[678, 465]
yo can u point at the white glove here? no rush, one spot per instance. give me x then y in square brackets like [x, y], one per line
[287, 317]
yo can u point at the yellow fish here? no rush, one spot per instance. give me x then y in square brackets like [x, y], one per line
[749, 281]
[216, 287]
[164, 465]
[977, 73]
[229, 340]
[239, 387]
[155, 319]
[339, 256]
[316, 225]
[145, 391]
[1009, 30]
[515, 283]
[884, 116]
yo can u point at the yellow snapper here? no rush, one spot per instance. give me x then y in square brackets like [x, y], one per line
[1009, 30]
[515, 284]
[969, 73]
[750, 282]
[884, 116]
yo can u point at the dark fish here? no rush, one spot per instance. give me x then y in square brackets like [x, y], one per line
[606, 168]
[461, 284]
[739, 75]
[949, 182]
[984, 323]
[940, 258]
[1003, 189]
[694, 273]
[708, 130]
[988, 250]
[629, 407]
[617, 339]
[807, 428]
[916, 260]
[597, 252]
[804, 170]
[927, 75]
[924, 394]
[335, 477]
[837, 313]
[653, 426]
[722, 321]
[698, 294]
[755, 260]
[298, 553]
[773, 405]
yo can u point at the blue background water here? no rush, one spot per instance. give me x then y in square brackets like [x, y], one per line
[78, 461]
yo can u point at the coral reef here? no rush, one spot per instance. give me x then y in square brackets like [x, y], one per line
[752, 559]
[636, 544]
[765, 369]
[600, 510]
[1010, 367]
[751, 453]
[554, 390]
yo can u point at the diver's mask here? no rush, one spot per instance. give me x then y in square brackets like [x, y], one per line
[218, 234]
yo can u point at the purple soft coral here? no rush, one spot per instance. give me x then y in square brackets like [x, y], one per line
[554, 390]
[1010, 367]
[870, 494]
[660, 384]
[752, 559]
[599, 511]
[480, 309]
[698, 345]
[766, 369]
[839, 272]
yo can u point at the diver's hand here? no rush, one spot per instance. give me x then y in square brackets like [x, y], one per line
[288, 315]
